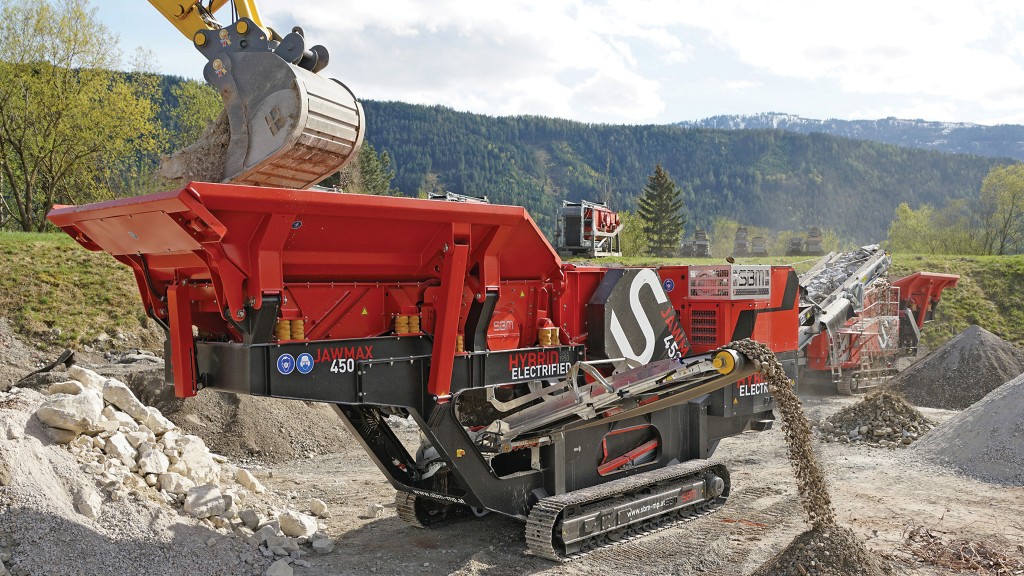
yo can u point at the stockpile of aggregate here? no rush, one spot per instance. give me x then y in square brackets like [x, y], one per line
[882, 418]
[961, 371]
[985, 441]
[826, 549]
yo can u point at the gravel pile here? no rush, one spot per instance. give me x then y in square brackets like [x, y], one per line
[985, 441]
[961, 371]
[833, 551]
[882, 418]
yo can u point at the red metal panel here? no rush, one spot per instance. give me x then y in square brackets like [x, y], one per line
[923, 290]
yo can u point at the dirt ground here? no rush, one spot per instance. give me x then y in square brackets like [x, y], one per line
[879, 493]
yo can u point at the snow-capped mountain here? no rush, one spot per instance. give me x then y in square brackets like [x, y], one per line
[1006, 140]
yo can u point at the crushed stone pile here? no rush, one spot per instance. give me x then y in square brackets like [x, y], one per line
[961, 371]
[832, 551]
[93, 481]
[882, 418]
[827, 549]
[836, 272]
[985, 441]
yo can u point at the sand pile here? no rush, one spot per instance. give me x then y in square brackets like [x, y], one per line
[961, 371]
[985, 441]
[882, 418]
[827, 549]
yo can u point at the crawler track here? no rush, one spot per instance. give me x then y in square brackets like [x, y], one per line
[543, 527]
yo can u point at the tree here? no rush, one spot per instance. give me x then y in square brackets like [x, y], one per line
[197, 104]
[660, 206]
[634, 239]
[66, 118]
[369, 173]
[1001, 210]
[913, 230]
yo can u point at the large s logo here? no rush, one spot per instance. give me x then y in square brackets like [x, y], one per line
[630, 316]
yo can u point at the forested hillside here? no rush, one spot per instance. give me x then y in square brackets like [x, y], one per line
[774, 178]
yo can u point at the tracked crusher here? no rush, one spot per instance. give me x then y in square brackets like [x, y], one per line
[585, 401]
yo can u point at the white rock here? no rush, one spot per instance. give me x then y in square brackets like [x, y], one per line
[135, 438]
[72, 387]
[156, 422]
[296, 524]
[280, 568]
[152, 462]
[323, 546]
[248, 481]
[119, 394]
[88, 503]
[119, 447]
[87, 377]
[265, 532]
[178, 468]
[174, 483]
[204, 501]
[286, 544]
[126, 421]
[152, 480]
[197, 460]
[319, 507]
[73, 413]
[170, 438]
[250, 518]
[14, 431]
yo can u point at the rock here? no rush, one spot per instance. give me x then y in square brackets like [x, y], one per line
[119, 394]
[14, 431]
[265, 532]
[279, 568]
[319, 508]
[323, 546]
[196, 458]
[119, 447]
[71, 387]
[73, 413]
[250, 518]
[136, 438]
[61, 436]
[283, 544]
[296, 524]
[88, 378]
[204, 501]
[88, 503]
[175, 483]
[152, 462]
[156, 422]
[248, 481]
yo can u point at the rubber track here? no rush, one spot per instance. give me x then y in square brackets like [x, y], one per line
[544, 515]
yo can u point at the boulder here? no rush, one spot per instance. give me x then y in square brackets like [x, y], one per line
[323, 546]
[319, 507]
[174, 483]
[196, 458]
[119, 394]
[248, 481]
[72, 387]
[156, 421]
[204, 501]
[152, 462]
[279, 568]
[72, 413]
[87, 377]
[88, 503]
[250, 518]
[297, 525]
[119, 447]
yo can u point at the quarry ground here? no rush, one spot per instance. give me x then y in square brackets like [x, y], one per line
[879, 493]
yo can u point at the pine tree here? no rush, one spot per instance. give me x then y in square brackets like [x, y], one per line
[661, 209]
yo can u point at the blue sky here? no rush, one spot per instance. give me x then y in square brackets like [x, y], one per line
[649, 61]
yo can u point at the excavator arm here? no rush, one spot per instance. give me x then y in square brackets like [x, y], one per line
[289, 126]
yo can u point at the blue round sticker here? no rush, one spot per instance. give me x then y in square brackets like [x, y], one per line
[285, 363]
[669, 284]
[304, 363]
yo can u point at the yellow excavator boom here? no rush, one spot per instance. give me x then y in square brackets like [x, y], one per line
[290, 127]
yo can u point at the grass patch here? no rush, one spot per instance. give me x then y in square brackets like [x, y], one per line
[54, 291]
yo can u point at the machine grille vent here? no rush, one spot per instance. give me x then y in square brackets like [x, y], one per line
[704, 327]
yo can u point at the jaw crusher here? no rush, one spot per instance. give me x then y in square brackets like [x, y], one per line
[586, 401]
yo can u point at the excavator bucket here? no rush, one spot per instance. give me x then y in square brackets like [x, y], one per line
[289, 126]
